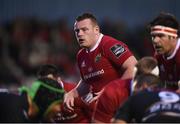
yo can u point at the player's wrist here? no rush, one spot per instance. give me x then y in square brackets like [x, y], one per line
[74, 92]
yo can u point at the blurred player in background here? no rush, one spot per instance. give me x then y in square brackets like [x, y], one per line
[164, 30]
[13, 107]
[46, 99]
[151, 103]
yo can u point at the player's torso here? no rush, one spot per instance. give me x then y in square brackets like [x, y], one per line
[170, 70]
[96, 68]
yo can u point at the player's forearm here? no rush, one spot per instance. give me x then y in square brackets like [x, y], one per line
[74, 92]
[82, 88]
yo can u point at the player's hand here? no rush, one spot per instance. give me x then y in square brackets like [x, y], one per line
[69, 99]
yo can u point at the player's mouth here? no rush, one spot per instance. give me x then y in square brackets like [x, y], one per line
[158, 48]
[81, 41]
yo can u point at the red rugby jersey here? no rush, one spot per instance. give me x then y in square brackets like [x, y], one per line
[115, 93]
[170, 66]
[103, 64]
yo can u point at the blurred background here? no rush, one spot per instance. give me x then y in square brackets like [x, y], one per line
[35, 32]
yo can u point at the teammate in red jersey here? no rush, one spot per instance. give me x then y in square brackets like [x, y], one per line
[117, 91]
[114, 94]
[101, 59]
[55, 110]
[164, 33]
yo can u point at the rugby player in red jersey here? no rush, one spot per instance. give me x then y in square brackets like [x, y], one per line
[55, 111]
[102, 59]
[165, 38]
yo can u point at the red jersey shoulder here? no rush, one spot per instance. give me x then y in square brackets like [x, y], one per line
[113, 46]
[80, 52]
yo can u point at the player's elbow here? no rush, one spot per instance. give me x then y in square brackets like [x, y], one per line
[128, 67]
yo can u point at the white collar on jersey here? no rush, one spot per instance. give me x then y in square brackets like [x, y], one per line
[174, 52]
[97, 43]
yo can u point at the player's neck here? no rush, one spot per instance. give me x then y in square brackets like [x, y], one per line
[173, 48]
[96, 42]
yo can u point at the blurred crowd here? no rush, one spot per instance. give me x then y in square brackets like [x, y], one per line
[26, 44]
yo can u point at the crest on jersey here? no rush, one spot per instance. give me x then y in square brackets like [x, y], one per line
[83, 64]
[117, 50]
[98, 57]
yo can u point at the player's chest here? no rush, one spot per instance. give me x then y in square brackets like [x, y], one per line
[93, 61]
[167, 65]
[169, 69]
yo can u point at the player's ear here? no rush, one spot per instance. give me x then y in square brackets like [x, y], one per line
[97, 29]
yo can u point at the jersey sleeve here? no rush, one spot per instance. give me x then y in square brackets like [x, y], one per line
[116, 51]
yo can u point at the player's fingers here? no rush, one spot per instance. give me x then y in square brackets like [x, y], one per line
[68, 106]
[69, 102]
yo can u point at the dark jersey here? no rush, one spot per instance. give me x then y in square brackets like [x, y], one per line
[151, 106]
[13, 107]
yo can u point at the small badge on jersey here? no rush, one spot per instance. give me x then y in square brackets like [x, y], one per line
[98, 57]
[83, 64]
[118, 50]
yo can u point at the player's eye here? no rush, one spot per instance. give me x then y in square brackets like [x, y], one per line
[84, 29]
[76, 30]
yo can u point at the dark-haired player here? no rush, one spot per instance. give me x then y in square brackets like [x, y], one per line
[164, 30]
[46, 99]
[102, 59]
